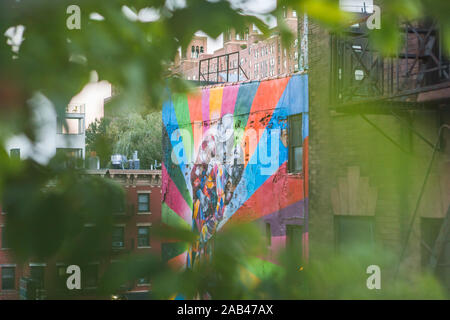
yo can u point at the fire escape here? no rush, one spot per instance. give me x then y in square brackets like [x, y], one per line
[221, 69]
[418, 77]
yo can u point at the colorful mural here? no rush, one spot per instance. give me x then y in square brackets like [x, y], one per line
[226, 152]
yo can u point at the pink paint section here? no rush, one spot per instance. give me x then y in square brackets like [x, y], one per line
[278, 243]
[173, 198]
[229, 99]
[205, 108]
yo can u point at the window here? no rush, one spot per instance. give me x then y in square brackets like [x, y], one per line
[61, 276]
[295, 162]
[70, 126]
[37, 274]
[5, 244]
[429, 229]
[143, 236]
[118, 237]
[145, 281]
[8, 278]
[144, 202]
[353, 231]
[73, 157]
[90, 276]
[294, 240]
[15, 153]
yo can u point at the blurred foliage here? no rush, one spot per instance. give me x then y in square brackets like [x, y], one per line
[125, 134]
[138, 132]
[98, 140]
[240, 268]
[50, 205]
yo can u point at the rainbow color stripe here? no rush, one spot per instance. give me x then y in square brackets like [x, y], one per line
[204, 197]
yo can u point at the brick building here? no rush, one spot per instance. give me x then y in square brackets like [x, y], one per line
[376, 175]
[131, 235]
[225, 148]
[254, 57]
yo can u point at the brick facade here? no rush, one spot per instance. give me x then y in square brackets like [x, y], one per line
[134, 182]
[258, 57]
[392, 159]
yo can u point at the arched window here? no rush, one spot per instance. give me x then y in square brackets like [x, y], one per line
[201, 49]
[192, 52]
[197, 52]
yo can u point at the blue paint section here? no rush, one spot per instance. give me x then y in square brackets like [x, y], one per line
[294, 100]
[176, 147]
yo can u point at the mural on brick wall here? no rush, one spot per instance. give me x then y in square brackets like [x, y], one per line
[226, 152]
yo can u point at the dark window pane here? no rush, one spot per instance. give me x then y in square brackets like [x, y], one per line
[294, 240]
[296, 131]
[118, 237]
[90, 276]
[143, 281]
[298, 157]
[37, 274]
[143, 236]
[430, 228]
[354, 231]
[143, 203]
[295, 143]
[8, 278]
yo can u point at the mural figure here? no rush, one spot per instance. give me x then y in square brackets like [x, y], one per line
[214, 178]
[225, 150]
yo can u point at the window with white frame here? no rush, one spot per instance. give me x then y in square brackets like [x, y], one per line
[143, 236]
[144, 202]
[8, 278]
[118, 234]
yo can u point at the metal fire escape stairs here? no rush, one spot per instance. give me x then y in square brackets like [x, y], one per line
[363, 82]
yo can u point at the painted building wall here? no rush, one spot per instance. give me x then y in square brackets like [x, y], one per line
[225, 159]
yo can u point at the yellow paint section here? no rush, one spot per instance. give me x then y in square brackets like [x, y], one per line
[215, 103]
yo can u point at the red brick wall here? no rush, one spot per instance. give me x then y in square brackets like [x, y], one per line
[130, 237]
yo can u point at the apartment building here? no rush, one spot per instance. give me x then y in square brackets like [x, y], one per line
[131, 235]
[244, 56]
[378, 151]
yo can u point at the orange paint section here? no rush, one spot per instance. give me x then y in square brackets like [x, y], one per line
[264, 103]
[260, 204]
[195, 109]
[215, 103]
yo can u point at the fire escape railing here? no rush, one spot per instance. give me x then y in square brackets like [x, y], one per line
[220, 69]
[360, 72]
